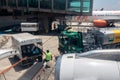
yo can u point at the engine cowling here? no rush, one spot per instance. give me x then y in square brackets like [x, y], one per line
[100, 23]
[91, 65]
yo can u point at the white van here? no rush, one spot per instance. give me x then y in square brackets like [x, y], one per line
[29, 26]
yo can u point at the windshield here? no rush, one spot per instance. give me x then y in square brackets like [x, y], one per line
[63, 39]
[30, 50]
[74, 41]
[71, 43]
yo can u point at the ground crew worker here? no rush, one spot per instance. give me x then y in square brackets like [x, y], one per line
[48, 56]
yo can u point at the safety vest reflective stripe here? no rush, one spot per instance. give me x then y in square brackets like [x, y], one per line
[48, 56]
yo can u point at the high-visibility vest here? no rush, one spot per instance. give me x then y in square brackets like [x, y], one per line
[48, 56]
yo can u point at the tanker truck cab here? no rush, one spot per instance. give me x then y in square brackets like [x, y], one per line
[29, 46]
[70, 42]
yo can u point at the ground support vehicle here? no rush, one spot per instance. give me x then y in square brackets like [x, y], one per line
[29, 46]
[102, 38]
[31, 27]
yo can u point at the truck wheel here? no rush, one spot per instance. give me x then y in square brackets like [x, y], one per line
[60, 50]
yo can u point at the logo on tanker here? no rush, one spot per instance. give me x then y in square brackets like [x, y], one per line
[114, 39]
[110, 38]
[117, 37]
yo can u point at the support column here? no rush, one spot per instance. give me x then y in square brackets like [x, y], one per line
[38, 4]
[46, 26]
[16, 3]
[52, 5]
[27, 5]
[7, 3]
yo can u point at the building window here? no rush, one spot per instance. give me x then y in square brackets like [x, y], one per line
[12, 3]
[73, 5]
[2, 2]
[86, 6]
[46, 4]
[33, 3]
[59, 4]
[22, 3]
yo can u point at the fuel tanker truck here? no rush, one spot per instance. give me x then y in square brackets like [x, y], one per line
[91, 65]
[100, 38]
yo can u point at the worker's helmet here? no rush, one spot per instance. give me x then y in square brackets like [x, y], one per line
[47, 51]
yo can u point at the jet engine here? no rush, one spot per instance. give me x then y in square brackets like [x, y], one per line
[91, 65]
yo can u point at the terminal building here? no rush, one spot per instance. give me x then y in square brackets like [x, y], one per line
[44, 11]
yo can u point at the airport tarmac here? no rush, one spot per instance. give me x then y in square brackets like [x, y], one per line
[18, 73]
